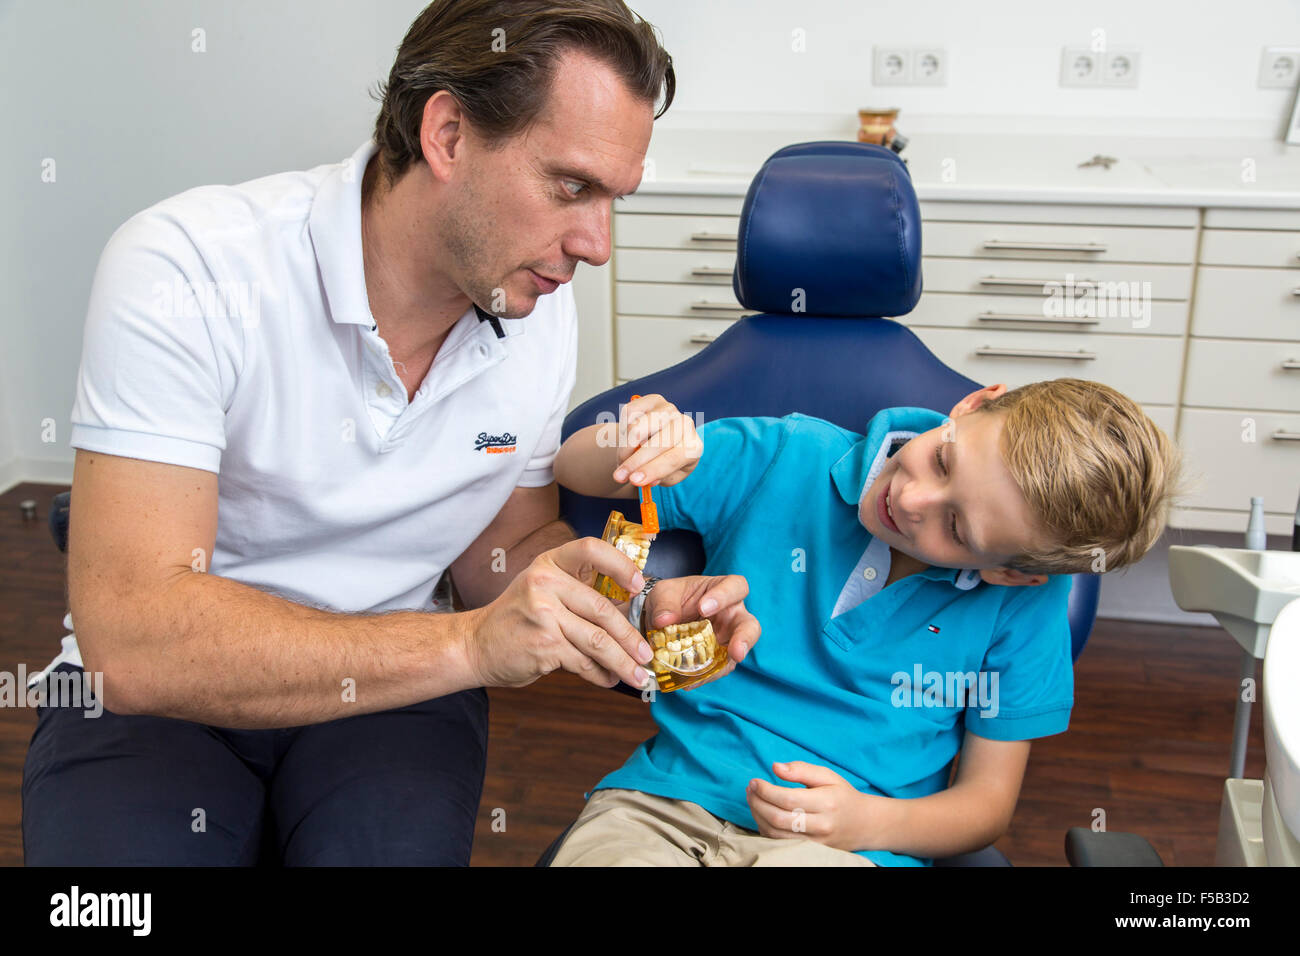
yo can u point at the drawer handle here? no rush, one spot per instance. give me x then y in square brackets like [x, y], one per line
[1017, 317]
[711, 271]
[1038, 283]
[1046, 246]
[703, 338]
[707, 236]
[702, 305]
[1036, 353]
[1290, 365]
[1296, 290]
[1281, 435]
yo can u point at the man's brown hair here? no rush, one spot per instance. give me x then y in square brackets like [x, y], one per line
[498, 57]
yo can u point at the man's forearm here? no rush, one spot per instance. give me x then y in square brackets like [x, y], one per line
[482, 585]
[952, 821]
[215, 651]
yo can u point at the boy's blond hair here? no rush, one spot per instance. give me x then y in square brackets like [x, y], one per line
[1099, 476]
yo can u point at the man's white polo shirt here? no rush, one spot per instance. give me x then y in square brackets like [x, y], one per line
[229, 330]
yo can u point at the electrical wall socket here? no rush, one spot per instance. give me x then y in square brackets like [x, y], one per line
[930, 67]
[1114, 66]
[1120, 66]
[1080, 66]
[891, 66]
[1279, 66]
[908, 66]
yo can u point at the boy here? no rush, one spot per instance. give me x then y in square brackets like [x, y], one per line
[911, 587]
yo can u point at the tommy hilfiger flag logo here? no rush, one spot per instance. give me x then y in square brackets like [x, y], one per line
[495, 444]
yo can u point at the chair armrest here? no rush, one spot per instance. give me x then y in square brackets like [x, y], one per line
[989, 856]
[1084, 847]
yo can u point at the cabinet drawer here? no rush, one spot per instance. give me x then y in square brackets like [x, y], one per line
[1246, 247]
[1234, 455]
[1231, 374]
[687, 204]
[675, 232]
[1247, 303]
[682, 301]
[1023, 277]
[673, 265]
[967, 310]
[1252, 219]
[960, 210]
[1054, 242]
[647, 345]
[1145, 368]
[1165, 417]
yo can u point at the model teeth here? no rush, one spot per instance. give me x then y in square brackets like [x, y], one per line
[684, 647]
[629, 538]
[636, 546]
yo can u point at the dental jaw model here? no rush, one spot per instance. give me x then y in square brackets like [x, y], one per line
[630, 538]
[684, 654]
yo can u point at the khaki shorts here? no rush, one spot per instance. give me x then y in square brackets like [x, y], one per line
[631, 828]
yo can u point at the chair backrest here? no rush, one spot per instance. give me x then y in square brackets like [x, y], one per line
[828, 243]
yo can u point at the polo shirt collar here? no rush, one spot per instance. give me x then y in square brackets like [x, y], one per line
[888, 431]
[335, 227]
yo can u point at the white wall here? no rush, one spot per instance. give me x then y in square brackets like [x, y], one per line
[111, 91]
[1200, 58]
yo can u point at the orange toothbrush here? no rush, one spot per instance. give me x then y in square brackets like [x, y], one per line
[649, 515]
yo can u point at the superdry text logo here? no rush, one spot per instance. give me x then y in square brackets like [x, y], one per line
[495, 444]
[102, 909]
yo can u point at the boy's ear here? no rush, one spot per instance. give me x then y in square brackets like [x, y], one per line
[977, 398]
[1010, 577]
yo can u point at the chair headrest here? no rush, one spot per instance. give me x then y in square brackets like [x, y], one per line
[838, 220]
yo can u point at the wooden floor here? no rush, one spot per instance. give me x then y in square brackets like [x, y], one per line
[1148, 741]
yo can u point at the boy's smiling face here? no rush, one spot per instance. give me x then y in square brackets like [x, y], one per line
[954, 503]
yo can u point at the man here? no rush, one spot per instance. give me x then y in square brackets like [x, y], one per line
[301, 401]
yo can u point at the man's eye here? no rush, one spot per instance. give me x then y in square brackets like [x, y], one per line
[578, 191]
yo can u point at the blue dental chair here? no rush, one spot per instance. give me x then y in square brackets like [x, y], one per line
[829, 242]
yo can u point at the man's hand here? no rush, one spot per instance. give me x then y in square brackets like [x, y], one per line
[721, 599]
[827, 809]
[551, 618]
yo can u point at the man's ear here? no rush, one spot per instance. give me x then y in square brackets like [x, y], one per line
[441, 135]
[1010, 577]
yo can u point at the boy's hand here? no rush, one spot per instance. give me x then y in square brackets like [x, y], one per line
[827, 808]
[721, 599]
[662, 445]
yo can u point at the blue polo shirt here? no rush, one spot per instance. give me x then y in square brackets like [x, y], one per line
[879, 692]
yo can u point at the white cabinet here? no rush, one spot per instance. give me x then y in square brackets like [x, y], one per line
[673, 260]
[1193, 313]
[1240, 426]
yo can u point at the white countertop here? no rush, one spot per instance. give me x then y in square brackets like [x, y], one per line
[1016, 166]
